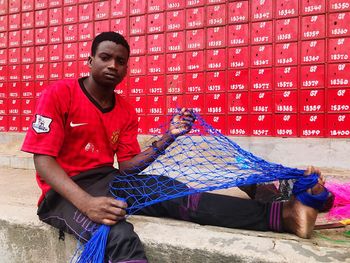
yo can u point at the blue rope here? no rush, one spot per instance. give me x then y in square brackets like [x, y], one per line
[194, 164]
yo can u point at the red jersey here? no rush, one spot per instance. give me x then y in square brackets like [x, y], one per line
[71, 126]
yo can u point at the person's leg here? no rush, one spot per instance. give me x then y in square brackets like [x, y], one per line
[205, 208]
[202, 208]
[123, 244]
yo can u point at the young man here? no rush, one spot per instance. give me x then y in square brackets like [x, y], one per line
[79, 127]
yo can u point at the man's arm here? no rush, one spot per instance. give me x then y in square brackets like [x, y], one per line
[180, 124]
[103, 210]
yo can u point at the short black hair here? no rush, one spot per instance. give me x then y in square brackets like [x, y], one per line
[109, 36]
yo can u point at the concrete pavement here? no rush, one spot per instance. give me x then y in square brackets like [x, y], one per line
[23, 238]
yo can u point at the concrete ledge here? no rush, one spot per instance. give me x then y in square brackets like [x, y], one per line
[170, 241]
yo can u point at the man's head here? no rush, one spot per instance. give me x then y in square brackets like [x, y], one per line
[109, 36]
[109, 59]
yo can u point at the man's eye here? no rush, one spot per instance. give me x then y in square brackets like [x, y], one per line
[104, 58]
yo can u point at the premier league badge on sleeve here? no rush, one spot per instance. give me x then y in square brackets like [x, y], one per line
[41, 124]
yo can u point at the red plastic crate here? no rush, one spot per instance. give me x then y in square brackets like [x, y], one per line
[137, 45]
[312, 125]
[286, 78]
[286, 101]
[313, 51]
[261, 56]
[3, 122]
[286, 8]
[238, 57]
[14, 123]
[195, 102]
[313, 27]
[195, 61]
[70, 14]
[195, 39]
[312, 76]
[216, 59]
[261, 79]
[175, 20]
[286, 30]
[338, 125]
[218, 122]
[85, 12]
[261, 124]
[86, 31]
[27, 20]
[338, 100]
[70, 51]
[216, 37]
[175, 42]
[194, 82]
[137, 7]
[216, 81]
[286, 125]
[118, 9]
[261, 32]
[338, 5]
[175, 63]
[339, 24]
[28, 89]
[102, 10]
[238, 102]
[137, 65]
[173, 103]
[261, 10]
[55, 53]
[238, 12]
[309, 7]
[156, 105]
[156, 84]
[14, 90]
[286, 54]
[138, 85]
[195, 17]
[238, 35]
[261, 102]
[238, 125]
[119, 25]
[156, 64]
[216, 15]
[238, 79]
[156, 23]
[312, 101]
[338, 75]
[137, 25]
[174, 84]
[155, 6]
[338, 49]
[55, 16]
[215, 103]
[156, 43]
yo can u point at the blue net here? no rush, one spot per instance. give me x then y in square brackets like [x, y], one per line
[202, 161]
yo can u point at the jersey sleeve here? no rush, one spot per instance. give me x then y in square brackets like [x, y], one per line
[128, 145]
[46, 132]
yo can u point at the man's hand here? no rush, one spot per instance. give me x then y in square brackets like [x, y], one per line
[105, 210]
[182, 122]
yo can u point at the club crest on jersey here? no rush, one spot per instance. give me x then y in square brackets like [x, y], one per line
[41, 124]
[115, 136]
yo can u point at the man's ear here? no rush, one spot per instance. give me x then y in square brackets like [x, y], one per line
[90, 58]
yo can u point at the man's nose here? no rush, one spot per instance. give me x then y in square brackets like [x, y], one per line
[112, 64]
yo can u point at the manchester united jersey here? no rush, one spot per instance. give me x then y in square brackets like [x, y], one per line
[71, 126]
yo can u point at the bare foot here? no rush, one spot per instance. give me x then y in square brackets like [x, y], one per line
[298, 218]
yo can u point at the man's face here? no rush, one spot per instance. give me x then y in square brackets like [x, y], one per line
[110, 63]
